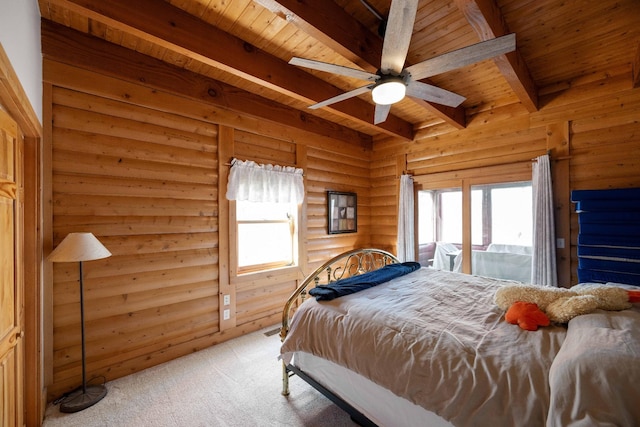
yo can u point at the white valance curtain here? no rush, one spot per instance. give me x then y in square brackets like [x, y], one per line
[406, 239]
[249, 181]
[543, 267]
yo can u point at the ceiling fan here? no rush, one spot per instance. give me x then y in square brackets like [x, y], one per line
[392, 81]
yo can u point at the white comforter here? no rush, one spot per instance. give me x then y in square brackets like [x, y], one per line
[595, 378]
[437, 339]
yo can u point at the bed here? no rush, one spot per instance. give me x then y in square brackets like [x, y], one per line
[431, 348]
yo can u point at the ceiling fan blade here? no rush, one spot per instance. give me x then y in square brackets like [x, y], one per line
[381, 113]
[434, 94]
[335, 69]
[462, 57]
[342, 97]
[402, 16]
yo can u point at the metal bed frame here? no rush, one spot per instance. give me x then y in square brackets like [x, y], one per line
[351, 263]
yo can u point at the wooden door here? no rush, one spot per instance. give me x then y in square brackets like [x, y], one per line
[11, 290]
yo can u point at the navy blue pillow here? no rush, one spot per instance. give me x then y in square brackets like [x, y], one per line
[361, 282]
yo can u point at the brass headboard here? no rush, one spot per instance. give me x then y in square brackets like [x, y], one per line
[347, 264]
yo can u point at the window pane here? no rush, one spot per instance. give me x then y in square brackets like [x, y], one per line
[426, 224]
[266, 234]
[503, 248]
[451, 216]
[439, 227]
[264, 243]
[477, 217]
[511, 216]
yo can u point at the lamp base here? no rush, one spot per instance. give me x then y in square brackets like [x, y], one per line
[78, 400]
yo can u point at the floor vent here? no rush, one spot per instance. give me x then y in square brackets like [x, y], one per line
[272, 332]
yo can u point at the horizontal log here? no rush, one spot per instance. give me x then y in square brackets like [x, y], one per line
[263, 155]
[143, 188]
[131, 206]
[136, 264]
[132, 225]
[67, 363]
[136, 282]
[94, 123]
[133, 322]
[66, 313]
[82, 164]
[108, 145]
[110, 107]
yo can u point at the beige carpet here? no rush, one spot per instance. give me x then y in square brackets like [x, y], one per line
[236, 383]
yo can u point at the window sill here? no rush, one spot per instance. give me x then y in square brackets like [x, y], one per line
[275, 275]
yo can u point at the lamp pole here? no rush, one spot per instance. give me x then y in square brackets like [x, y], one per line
[81, 247]
[84, 364]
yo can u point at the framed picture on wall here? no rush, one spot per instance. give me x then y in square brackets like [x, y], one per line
[342, 212]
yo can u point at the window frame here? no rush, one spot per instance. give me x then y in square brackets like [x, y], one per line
[268, 270]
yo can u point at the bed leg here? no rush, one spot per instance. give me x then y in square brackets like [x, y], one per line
[285, 380]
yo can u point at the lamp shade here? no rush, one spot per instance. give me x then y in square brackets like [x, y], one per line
[79, 247]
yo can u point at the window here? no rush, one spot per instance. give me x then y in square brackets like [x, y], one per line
[499, 232]
[267, 235]
[511, 210]
[264, 201]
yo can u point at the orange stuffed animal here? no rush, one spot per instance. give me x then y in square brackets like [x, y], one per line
[527, 315]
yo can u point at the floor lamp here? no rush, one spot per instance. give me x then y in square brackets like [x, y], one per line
[79, 247]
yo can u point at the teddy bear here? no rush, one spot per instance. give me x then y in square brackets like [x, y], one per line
[560, 304]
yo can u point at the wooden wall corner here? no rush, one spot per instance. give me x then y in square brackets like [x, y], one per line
[225, 289]
[401, 165]
[636, 68]
[558, 143]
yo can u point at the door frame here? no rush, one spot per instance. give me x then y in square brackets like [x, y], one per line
[14, 100]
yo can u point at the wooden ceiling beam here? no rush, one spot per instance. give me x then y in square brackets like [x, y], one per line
[68, 46]
[488, 23]
[174, 29]
[330, 24]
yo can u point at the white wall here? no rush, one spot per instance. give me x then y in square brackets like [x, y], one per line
[20, 39]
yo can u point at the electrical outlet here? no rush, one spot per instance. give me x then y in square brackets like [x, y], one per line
[226, 314]
[227, 299]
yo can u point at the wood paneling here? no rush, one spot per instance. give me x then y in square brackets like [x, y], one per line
[144, 181]
[343, 170]
[142, 173]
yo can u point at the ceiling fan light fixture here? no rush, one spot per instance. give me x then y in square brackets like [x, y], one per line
[389, 91]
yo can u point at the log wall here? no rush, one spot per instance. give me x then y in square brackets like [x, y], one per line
[145, 183]
[140, 168]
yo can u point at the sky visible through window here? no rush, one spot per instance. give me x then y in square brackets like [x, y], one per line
[510, 210]
[266, 233]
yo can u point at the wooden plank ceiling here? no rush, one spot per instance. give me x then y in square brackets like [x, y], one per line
[246, 45]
